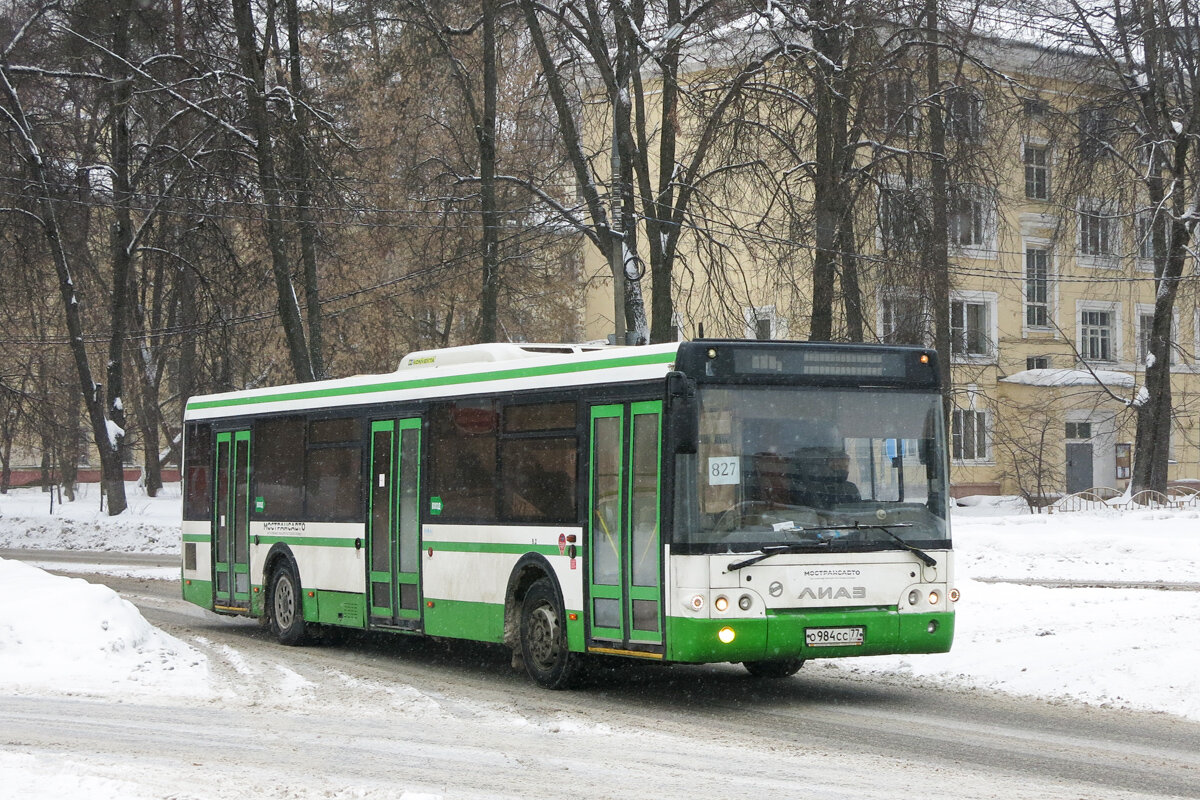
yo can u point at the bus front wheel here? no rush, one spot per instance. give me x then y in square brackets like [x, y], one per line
[779, 668]
[284, 613]
[548, 659]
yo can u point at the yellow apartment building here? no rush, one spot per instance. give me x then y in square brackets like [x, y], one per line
[1051, 302]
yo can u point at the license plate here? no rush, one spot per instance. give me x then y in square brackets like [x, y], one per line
[834, 637]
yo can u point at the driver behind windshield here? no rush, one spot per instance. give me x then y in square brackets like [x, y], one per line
[823, 477]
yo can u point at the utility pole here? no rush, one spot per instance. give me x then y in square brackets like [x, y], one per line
[616, 239]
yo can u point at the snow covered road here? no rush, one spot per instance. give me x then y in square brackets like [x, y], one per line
[196, 706]
[387, 717]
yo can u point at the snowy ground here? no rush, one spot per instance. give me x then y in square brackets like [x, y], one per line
[1106, 646]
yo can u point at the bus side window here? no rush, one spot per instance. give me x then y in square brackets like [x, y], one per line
[197, 471]
[278, 461]
[463, 440]
[333, 470]
[538, 458]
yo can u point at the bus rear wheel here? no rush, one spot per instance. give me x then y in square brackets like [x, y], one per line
[778, 668]
[548, 659]
[285, 616]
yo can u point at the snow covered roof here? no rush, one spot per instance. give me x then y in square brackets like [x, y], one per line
[1071, 377]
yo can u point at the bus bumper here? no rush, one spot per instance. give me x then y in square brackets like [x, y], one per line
[782, 635]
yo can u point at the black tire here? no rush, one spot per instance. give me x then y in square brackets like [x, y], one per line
[548, 660]
[285, 615]
[779, 668]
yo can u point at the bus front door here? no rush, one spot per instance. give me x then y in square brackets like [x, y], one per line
[624, 534]
[231, 522]
[393, 528]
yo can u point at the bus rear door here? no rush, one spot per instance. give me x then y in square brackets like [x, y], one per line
[231, 522]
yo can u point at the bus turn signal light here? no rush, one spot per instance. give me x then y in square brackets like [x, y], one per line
[954, 595]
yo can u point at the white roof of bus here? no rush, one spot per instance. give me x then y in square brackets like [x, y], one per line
[451, 373]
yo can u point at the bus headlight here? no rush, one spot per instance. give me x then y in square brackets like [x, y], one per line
[721, 604]
[914, 597]
[744, 602]
[726, 635]
[934, 597]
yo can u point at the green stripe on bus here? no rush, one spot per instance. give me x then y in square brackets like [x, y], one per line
[426, 383]
[462, 619]
[203, 538]
[781, 635]
[198, 592]
[493, 547]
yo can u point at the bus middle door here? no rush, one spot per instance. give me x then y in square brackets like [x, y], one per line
[624, 532]
[393, 539]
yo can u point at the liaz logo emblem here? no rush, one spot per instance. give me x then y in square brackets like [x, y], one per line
[776, 588]
[830, 593]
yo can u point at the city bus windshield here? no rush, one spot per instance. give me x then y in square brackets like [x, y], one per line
[828, 467]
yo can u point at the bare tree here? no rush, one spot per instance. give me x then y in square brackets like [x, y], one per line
[1137, 122]
[106, 434]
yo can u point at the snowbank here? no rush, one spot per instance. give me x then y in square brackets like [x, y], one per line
[149, 524]
[65, 635]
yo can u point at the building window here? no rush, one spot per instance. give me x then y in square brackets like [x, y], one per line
[902, 320]
[970, 217]
[763, 323]
[897, 96]
[1145, 329]
[1079, 430]
[1146, 248]
[1097, 233]
[964, 115]
[1096, 333]
[1097, 131]
[1035, 108]
[1037, 171]
[970, 328]
[1037, 287]
[1037, 362]
[899, 213]
[969, 435]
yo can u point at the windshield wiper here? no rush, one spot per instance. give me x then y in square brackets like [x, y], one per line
[799, 547]
[774, 550]
[926, 559]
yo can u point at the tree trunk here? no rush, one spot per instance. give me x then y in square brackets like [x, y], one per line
[302, 173]
[256, 106]
[938, 261]
[486, 134]
[121, 237]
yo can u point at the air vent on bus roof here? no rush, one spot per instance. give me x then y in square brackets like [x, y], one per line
[481, 353]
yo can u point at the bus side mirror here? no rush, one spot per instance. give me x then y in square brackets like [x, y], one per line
[682, 420]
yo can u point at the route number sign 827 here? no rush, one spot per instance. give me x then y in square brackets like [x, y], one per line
[723, 471]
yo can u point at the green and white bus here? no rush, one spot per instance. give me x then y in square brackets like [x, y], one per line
[761, 502]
